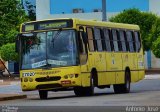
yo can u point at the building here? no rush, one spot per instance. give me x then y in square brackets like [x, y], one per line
[92, 9]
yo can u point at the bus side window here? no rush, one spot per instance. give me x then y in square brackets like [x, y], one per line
[119, 41]
[80, 42]
[90, 39]
[134, 41]
[115, 41]
[103, 40]
[137, 41]
[130, 41]
[82, 47]
[106, 33]
[122, 40]
[97, 35]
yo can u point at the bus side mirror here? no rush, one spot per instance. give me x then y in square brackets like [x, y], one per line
[17, 44]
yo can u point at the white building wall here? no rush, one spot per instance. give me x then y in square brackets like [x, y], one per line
[155, 62]
[42, 9]
[154, 6]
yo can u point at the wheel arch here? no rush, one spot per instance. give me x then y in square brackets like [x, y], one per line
[94, 75]
[127, 69]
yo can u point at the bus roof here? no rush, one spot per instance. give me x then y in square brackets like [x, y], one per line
[107, 24]
[94, 23]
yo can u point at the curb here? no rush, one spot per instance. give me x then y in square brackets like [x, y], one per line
[156, 76]
[4, 97]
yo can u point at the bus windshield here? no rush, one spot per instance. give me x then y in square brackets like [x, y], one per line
[49, 49]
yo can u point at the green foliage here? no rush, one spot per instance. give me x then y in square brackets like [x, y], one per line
[155, 31]
[8, 52]
[144, 19]
[156, 47]
[11, 36]
[11, 16]
[154, 37]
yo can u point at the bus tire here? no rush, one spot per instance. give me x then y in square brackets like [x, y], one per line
[90, 89]
[85, 91]
[123, 88]
[43, 94]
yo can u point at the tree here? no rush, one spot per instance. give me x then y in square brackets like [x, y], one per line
[7, 52]
[155, 38]
[11, 16]
[156, 47]
[144, 19]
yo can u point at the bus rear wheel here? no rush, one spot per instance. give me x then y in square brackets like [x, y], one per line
[123, 88]
[43, 94]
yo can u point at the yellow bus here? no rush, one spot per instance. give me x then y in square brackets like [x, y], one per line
[70, 53]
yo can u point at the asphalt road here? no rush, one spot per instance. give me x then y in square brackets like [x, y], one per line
[144, 93]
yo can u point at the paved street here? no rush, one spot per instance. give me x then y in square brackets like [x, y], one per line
[145, 92]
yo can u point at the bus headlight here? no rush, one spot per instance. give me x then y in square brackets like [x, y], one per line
[25, 79]
[30, 79]
[66, 76]
[71, 75]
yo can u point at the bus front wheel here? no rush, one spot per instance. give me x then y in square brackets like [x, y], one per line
[43, 94]
[85, 91]
[123, 88]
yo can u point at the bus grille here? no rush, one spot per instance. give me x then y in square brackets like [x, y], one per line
[48, 86]
[44, 79]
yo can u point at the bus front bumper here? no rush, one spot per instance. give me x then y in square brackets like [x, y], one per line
[49, 85]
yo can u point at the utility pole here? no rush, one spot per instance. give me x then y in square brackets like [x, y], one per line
[104, 16]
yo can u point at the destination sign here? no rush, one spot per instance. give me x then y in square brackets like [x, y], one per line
[29, 27]
[52, 25]
[45, 25]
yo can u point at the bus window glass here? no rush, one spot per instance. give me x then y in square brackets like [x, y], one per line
[130, 41]
[137, 41]
[97, 35]
[83, 52]
[122, 39]
[90, 39]
[115, 42]
[49, 49]
[61, 48]
[33, 50]
[107, 39]
[118, 40]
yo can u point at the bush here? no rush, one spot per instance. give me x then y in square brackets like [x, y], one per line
[156, 47]
[8, 53]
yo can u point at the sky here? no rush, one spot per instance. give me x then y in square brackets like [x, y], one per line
[31, 1]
